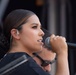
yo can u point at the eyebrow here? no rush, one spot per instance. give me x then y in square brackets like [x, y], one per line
[36, 24]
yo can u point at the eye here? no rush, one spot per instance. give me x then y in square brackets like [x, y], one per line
[35, 27]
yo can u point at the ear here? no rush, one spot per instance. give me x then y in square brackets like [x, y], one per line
[15, 33]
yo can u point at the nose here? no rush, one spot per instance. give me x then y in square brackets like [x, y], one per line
[41, 32]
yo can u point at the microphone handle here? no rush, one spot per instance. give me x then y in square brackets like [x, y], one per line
[71, 45]
[48, 45]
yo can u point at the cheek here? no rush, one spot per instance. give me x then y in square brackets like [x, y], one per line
[28, 34]
[32, 36]
[31, 33]
[29, 40]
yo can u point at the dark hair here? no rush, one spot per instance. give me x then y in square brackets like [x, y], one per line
[14, 20]
[3, 43]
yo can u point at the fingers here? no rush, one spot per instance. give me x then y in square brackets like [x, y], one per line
[54, 37]
[63, 38]
[58, 43]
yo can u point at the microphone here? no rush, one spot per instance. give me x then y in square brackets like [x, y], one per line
[48, 45]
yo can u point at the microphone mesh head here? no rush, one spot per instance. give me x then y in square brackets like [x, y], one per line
[47, 42]
[46, 38]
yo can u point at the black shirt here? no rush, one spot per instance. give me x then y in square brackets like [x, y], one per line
[28, 68]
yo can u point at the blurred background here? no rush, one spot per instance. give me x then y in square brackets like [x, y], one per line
[57, 16]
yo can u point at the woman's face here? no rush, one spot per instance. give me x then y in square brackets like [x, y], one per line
[31, 34]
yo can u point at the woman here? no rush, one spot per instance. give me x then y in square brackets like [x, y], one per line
[22, 29]
[23, 36]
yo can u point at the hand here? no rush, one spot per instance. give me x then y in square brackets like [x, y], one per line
[58, 44]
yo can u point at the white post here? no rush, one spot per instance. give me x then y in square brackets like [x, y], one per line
[52, 25]
[63, 18]
[52, 21]
[3, 5]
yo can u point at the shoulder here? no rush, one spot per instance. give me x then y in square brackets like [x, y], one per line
[11, 57]
[21, 65]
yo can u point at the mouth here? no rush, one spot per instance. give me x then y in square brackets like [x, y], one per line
[40, 41]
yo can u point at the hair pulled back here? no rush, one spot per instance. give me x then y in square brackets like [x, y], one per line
[13, 20]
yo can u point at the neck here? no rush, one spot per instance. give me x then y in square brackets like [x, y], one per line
[19, 49]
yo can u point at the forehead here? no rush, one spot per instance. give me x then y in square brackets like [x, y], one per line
[31, 21]
[34, 20]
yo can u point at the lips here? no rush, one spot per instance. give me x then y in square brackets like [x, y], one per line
[40, 41]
